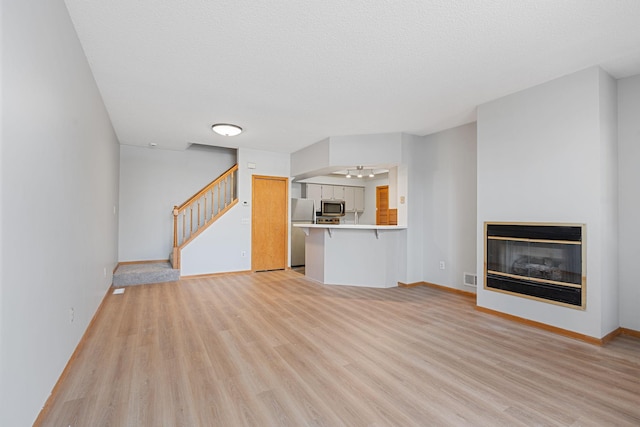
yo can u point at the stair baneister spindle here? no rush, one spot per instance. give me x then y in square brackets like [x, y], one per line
[222, 189]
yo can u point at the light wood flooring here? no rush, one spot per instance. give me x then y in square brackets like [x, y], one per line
[275, 349]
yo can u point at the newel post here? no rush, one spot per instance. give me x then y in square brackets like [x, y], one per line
[176, 251]
[175, 226]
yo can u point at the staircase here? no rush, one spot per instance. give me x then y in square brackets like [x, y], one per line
[201, 210]
[189, 220]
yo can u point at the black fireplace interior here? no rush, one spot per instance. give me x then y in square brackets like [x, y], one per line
[536, 260]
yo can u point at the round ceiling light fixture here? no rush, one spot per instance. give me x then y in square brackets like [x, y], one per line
[226, 129]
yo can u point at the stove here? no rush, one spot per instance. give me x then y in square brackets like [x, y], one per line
[327, 220]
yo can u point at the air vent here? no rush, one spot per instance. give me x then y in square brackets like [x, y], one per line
[469, 279]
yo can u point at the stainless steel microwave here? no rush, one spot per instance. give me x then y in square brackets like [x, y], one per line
[332, 207]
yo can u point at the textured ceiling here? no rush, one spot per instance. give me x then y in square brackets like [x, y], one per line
[294, 72]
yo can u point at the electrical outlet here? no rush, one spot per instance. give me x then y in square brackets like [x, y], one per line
[243, 254]
[71, 315]
[441, 265]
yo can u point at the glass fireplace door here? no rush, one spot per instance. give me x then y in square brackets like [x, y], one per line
[544, 263]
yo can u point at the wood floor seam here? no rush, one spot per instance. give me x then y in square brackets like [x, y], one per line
[277, 349]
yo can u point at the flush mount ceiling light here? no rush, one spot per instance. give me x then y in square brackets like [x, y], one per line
[226, 129]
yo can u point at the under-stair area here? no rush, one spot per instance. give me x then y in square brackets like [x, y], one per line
[189, 220]
[144, 273]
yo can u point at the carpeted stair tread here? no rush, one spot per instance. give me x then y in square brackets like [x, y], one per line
[144, 273]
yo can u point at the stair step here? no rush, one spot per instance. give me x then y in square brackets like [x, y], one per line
[144, 273]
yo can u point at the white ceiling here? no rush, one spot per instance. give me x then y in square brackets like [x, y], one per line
[292, 72]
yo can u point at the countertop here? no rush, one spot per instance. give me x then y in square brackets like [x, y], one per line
[353, 226]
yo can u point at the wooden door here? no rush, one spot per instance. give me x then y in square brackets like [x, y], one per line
[269, 223]
[382, 205]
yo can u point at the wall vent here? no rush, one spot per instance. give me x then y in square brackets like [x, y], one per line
[469, 279]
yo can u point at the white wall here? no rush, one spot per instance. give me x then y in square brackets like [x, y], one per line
[393, 188]
[2, 391]
[608, 108]
[341, 152]
[449, 205]
[382, 149]
[542, 157]
[59, 189]
[410, 173]
[336, 180]
[368, 216]
[312, 158]
[219, 248]
[152, 182]
[629, 201]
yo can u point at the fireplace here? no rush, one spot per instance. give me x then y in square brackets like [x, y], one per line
[536, 260]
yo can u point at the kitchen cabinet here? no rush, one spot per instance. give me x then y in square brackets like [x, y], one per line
[354, 199]
[313, 191]
[335, 192]
[349, 199]
[359, 199]
[338, 192]
[353, 196]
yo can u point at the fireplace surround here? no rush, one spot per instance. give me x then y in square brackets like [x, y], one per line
[541, 261]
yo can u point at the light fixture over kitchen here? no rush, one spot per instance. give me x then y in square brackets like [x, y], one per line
[360, 172]
[226, 129]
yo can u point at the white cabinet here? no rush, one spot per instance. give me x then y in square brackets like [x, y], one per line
[335, 192]
[313, 191]
[349, 199]
[338, 192]
[327, 192]
[354, 199]
[353, 196]
[359, 199]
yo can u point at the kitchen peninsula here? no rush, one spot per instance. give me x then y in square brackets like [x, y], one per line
[355, 255]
